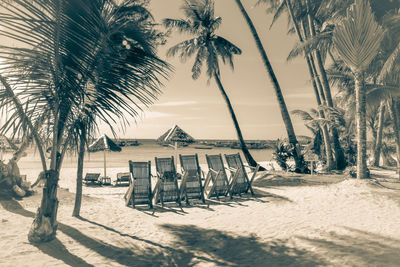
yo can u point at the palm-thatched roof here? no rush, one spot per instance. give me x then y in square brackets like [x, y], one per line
[104, 143]
[175, 134]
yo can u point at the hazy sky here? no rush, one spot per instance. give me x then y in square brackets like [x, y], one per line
[198, 107]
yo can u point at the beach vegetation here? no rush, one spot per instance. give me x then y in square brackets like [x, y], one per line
[69, 65]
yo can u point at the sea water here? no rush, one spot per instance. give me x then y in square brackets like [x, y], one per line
[146, 151]
[116, 162]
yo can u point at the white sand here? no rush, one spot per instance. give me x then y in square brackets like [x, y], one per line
[294, 221]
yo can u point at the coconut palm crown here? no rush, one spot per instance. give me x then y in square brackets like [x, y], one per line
[207, 45]
[209, 49]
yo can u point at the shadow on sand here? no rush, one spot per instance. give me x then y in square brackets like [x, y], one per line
[193, 245]
[363, 248]
[132, 256]
[232, 250]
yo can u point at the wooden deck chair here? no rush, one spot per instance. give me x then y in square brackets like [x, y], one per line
[240, 182]
[191, 186]
[139, 191]
[91, 179]
[217, 183]
[123, 178]
[166, 189]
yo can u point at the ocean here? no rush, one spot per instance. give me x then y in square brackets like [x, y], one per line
[117, 162]
[147, 150]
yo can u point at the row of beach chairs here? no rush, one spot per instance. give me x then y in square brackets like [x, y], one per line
[217, 183]
[123, 178]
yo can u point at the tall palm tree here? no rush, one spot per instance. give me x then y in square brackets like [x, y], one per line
[357, 39]
[63, 48]
[281, 101]
[209, 49]
[315, 81]
[304, 12]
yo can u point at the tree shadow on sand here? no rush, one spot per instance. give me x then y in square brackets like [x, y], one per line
[57, 250]
[232, 250]
[363, 248]
[280, 179]
[132, 256]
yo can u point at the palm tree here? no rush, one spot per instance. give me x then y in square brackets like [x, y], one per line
[284, 111]
[69, 46]
[209, 49]
[315, 81]
[357, 39]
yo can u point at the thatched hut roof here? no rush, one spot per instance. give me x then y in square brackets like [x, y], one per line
[175, 134]
[104, 143]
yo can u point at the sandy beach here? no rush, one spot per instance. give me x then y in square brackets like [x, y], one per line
[294, 220]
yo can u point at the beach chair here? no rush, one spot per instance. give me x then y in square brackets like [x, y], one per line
[123, 178]
[139, 191]
[166, 189]
[240, 182]
[191, 186]
[91, 179]
[216, 183]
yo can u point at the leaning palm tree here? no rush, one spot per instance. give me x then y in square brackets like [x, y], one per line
[209, 49]
[62, 48]
[357, 39]
[284, 111]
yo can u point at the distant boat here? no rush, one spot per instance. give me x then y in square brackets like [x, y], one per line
[203, 147]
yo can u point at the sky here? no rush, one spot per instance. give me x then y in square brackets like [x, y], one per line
[197, 106]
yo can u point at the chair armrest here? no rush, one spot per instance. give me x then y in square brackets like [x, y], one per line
[251, 167]
[214, 171]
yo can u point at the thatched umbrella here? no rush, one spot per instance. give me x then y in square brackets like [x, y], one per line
[175, 135]
[104, 143]
[174, 138]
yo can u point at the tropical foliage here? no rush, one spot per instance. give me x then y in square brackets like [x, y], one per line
[70, 65]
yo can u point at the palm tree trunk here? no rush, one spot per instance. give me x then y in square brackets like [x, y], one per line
[396, 128]
[339, 154]
[378, 144]
[44, 226]
[325, 133]
[79, 174]
[284, 112]
[250, 160]
[361, 128]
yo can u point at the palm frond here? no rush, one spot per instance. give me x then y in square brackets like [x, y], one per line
[358, 37]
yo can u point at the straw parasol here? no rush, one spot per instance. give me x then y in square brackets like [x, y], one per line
[104, 143]
[175, 135]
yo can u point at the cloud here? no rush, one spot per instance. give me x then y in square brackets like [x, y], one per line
[155, 115]
[176, 103]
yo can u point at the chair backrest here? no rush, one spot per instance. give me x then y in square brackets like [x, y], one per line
[215, 162]
[234, 161]
[190, 163]
[141, 171]
[92, 176]
[165, 165]
[123, 176]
